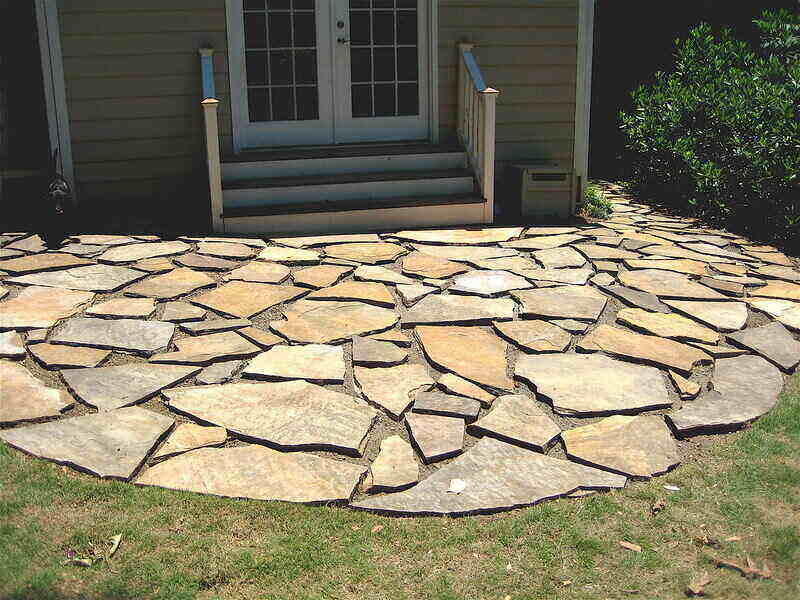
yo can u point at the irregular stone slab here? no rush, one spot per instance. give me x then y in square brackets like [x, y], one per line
[53, 356]
[685, 266]
[313, 362]
[722, 316]
[472, 255]
[602, 279]
[600, 252]
[154, 265]
[262, 338]
[781, 290]
[244, 300]
[771, 341]
[42, 262]
[253, 242]
[534, 231]
[289, 415]
[731, 288]
[176, 283]
[381, 275]
[371, 254]
[606, 266]
[6, 253]
[646, 348]
[610, 241]
[207, 349]
[669, 251]
[392, 389]
[258, 473]
[41, 307]
[469, 352]
[419, 264]
[25, 398]
[413, 293]
[259, 272]
[215, 326]
[687, 388]
[566, 276]
[3, 292]
[534, 336]
[356, 291]
[728, 269]
[81, 249]
[327, 322]
[746, 388]
[713, 251]
[218, 372]
[105, 240]
[773, 258]
[718, 351]
[289, 256]
[640, 446]
[319, 276]
[131, 308]
[188, 436]
[515, 264]
[109, 388]
[132, 335]
[567, 302]
[325, 240]
[182, 312]
[778, 272]
[461, 237]
[636, 298]
[666, 284]
[667, 325]
[133, 252]
[489, 283]
[395, 336]
[543, 243]
[785, 311]
[516, 419]
[497, 476]
[446, 405]
[111, 444]
[613, 387]
[571, 325]
[11, 345]
[395, 467]
[32, 243]
[454, 309]
[201, 262]
[225, 250]
[374, 353]
[435, 438]
[458, 385]
[91, 278]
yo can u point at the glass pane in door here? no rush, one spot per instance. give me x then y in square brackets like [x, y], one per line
[281, 60]
[384, 58]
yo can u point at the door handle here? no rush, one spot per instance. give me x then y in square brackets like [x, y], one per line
[344, 41]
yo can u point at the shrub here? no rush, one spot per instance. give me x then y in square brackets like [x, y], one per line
[719, 136]
[596, 205]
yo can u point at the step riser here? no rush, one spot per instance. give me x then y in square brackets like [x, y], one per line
[368, 190]
[333, 166]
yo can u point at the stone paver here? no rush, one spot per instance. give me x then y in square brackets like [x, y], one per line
[89, 278]
[220, 372]
[35, 263]
[435, 437]
[534, 336]
[557, 258]
[313, 362]
[41, 307]
[423, 265]
[517, 420]
[214, 326]
[785, 311]
[121, 308]
[670, 326]
[393, 388]
[543, 242]
[316, 277]
[244, 299]
[375, 353]
[455, 309]
[782, 290]
[311, 321]
[356, 291]
[458, 385]
[567, 302]
[207, 349]
[11, 345]
[722, 316]
[171, 285]
[325, 240]
[182, 312]
[395, 468]
[55, 356]
[289, 256]
[472, 255]
[489, 283]
[131, 335]
[771, 341]
[413, 293]
[666, 284]
[188, 436]
[461, 237]
[446, 405]
[202, 262]
[225, 250]
[546, 277]
[24, 398]
[133, 252]
[366, 253]
[259, 272]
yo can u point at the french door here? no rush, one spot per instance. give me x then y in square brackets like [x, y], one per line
[312, 72]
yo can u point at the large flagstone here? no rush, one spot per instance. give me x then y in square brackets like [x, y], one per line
[244, 300]
[171, 285]
[678, 265]
[599, 252]
[545, 277]
[259, 272]
[134, 252]
[41, 262]
[454, 384]
[122, 308]
[461, 237]
[472, 255]
[489, 283]
[132, 335]
[54, 356]
[785, 311]
[666, 284]
[567, 302]
[189, 436]
[446, 405]
[395, 467]
[41, 307]
[636, 298]
[90, 278]
[309, 321]
[371, 254]
[435, 438]
[111, 444]
[319, 276]
[518, 420]
[25, 398]
[376, 353]
[670, 326]
[534, 335]
[231, 250]
[771, 341]
[420, 264]
[313, 362]
[356, 291]
[543, 242]
[289, 256]
[208, 349]
[722, 316]
[457, 309]
[289, 415]
[393, 389]
[782, 290]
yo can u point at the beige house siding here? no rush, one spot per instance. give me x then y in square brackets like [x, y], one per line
[133, 83]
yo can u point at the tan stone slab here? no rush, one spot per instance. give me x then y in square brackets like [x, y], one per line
[262, 338]
[25, 398]
[785, 311]
[375, 353]
[381, 275]
[778, 272]
[325, 240]
[670, 326]
[461, 387]
[639, 446]
[154, 265]
[395, 336]
[28, 243]
[225, 250]
[722, 316]
[202, 262]
[419, 264]
[687, 388]
[356, 291]
[395, 467]
[666, 284]
[781, 290]
[371, 254]
[244, 299]
[473, 255]
[559, 258]
[606, 266]
[133, 252]
[488, 283]
[176, 283]
[470, 352]
[731, 288]
[392, 388]
[534, 336]
[718, 351]
[41, 307]
[536, 231]
[671, 251]
[454, 309]
[259, 473]
[728, 269]
[320, 276]
[462, 237]
[565, 276]
[318, 363]
[57, 356]
[259, 272]
[600, 252]
[182, 312]
[413, 293]
[205, 349]
[602, 279]
[435, 438]
[214, 326]
[132, 308]
[104, 240]
[518, 420]
[11, 345]
[515, 264]
[543, 242]
[773, 342]
[41, 262]
[685, 266]
[188, 436]
[715, 252]
[567, 302]
[647, 348]
[310, 321]
[89, 278]
[288, 415]
[289, 256]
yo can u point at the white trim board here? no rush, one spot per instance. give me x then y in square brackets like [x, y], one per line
[583, 102]
[54, 87]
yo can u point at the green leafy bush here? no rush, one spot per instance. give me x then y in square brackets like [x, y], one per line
[719, 136]
[596, 205]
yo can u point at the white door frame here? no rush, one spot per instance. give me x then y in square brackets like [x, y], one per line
[238, 100]
[49, 33]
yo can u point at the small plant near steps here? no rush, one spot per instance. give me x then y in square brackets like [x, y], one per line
[596, 205]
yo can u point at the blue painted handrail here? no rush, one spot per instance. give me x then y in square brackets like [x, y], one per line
[474, 71]
[207, 68]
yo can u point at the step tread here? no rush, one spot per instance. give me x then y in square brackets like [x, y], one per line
[341, 178]
[345, 151]
[345, 205]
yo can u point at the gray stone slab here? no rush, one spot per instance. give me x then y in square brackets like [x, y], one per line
[518, 420]
[435, 438]
[41, 307]
[566, 302]
[454, 309]
[310, 321]
[11, 345]
[132, 335]
[319, 363]
[392, 388]
[134, 252]
[202, 262]
[666, 284]
[771, 341]
[375, 353]
[220, 372]
[90, 278]
[214, 326]
[446, 405]
[635, 298]
[111, 444]
[557, 258]
[182, 312]
[395, 468]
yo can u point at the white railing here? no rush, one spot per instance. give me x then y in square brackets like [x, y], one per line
[211, 120]
[477, 123]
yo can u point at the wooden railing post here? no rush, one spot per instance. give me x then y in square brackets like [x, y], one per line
[211, 121]
[464, 90]
[488, 135]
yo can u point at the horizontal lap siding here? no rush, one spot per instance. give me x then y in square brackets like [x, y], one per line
[527, 49]
[133, 86]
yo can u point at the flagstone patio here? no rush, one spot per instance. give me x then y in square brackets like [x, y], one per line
[418, 372]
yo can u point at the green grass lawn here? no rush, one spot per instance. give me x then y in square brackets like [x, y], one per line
[176, 546]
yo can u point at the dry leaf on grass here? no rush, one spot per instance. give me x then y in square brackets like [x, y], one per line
[697, 586]
[630, 546]
[748, 570]
[377, 529]
[733, 538]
